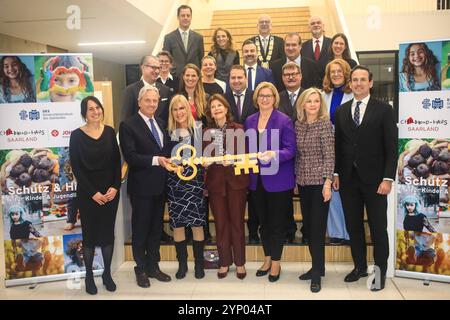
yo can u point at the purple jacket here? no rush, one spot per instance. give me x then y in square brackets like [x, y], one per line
[283, 178]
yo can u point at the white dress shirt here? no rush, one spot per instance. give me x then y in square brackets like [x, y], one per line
[362, 108]
[314, 44]
[160, 134]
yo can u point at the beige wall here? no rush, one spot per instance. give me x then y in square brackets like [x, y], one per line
[10, 44]
[114, 72]
[382, 25]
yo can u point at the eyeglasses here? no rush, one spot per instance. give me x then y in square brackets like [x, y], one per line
[152, 67]
[164, 62]
[293, 75]
[336, 72]
[265, 96]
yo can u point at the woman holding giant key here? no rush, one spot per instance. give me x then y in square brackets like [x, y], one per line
[227, 191]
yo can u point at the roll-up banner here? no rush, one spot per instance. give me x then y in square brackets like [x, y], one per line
[40, 98]
[423, 207]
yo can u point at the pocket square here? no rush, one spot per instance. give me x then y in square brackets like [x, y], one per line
[164, 99]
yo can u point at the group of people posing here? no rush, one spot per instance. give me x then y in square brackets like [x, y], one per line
[336, 145]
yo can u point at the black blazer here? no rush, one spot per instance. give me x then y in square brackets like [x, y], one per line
[310, 73]
[130, 105]
[285, 104]
[324, 57]
[372, 146]
[195, 52]
[173, 84]
[138, 148]
[248, 107]
[278, 48]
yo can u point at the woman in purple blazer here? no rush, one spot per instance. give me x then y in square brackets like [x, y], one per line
[273, 137]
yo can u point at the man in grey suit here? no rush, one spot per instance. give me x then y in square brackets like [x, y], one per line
[185, 46]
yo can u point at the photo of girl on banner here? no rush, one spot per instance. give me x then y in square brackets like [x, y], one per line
[33, 257]
[420, 68]
[445, 65]
[21, 218]
[63, 78]
[17, 79]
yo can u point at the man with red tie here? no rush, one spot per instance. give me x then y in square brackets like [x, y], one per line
[318, 47]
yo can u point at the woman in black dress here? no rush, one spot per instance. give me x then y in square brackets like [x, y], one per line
[95, 159]
[187, 204]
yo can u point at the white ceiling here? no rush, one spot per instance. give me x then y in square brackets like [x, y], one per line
[44, 21]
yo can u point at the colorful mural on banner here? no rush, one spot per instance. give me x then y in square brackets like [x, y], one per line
[39, 107]
[423, 202]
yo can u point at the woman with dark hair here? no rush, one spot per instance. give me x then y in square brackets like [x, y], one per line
[419, 69]
[227, 191]
[222, 50]
[16, 81]
[339, 49]
[95, 159]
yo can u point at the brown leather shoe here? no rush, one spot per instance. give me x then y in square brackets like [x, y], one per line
[141, 279]
[159, 275]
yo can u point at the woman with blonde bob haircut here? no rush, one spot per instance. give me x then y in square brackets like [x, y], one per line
[186, 202]
[271, 87]
[314, 166]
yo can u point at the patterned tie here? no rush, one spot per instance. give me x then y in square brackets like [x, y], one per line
[356, 115]
[155, 132]
[238, 105]
[250, 78]
[185, 40]
[317, 51]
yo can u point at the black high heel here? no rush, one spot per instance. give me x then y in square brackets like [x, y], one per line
[275, 278]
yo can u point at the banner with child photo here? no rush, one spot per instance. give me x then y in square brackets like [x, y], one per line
[423, 203]
[39, 107]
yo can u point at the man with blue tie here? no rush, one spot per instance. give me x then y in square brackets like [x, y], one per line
[255, 73]
[145, 147]
[366, 160]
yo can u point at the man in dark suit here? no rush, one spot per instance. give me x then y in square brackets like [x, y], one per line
[366, 149]
[255, 74]
[185, 46]
[310, 71]
[269, 47]
[150, 68]
[292, 77]
[240, 99]
[145, 146]
[165, 77]
[318, 47]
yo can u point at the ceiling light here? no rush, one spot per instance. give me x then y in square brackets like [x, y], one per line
[109, 43]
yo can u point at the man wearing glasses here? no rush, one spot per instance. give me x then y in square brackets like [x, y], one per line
[150, 68]
[269, 47]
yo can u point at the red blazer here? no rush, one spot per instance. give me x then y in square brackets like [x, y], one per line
[218, 176]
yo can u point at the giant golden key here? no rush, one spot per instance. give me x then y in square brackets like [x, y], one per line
[241, 162]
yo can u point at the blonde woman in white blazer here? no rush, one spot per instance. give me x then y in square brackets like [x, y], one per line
[336, 91]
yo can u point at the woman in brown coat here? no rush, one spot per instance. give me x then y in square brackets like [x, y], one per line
[227, 191]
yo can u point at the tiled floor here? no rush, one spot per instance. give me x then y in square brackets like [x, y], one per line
[288, 287]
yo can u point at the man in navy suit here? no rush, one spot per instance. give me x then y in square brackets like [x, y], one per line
[240, 99]
[145, 146]
[255, 74]
[318, 47]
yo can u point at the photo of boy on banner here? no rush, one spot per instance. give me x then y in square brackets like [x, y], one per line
[33, 257]
[63, 78]
[17, 79]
